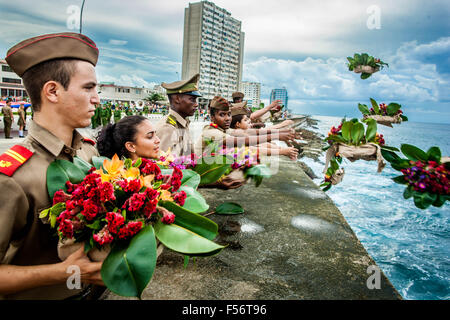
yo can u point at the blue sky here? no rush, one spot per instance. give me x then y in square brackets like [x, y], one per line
[301, 45]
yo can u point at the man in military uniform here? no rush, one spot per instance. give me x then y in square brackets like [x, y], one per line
[58, 72]
[117, 114]
[173, 129]
[104, 114]
[8, 118]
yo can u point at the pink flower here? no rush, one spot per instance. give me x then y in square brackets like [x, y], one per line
[103, 237]
[168, 218]
[180, 198]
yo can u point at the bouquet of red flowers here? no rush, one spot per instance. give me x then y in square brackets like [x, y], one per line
[122, 208]
[424, 173]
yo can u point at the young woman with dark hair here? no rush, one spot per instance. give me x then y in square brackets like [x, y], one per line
[132, 137]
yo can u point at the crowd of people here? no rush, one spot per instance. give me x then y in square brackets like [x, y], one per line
[58, 72]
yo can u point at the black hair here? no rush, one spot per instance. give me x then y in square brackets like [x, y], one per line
[112, 138]
[235, 119]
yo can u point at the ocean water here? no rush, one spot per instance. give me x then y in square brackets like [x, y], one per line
[410, 245]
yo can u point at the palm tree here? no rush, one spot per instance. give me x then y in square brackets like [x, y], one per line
[154, 97]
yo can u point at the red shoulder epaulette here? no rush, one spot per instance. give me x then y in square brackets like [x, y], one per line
[13, 158]
[89, 141]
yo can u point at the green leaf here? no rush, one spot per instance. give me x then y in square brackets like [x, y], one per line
[211, 168]
[357, 133]
[129, 267]
[335, 138]
[258, 180]
[404, 118]
[375, 106]
[371, 131]
[190, 178]
[440, 201]
[392, 109]
[260, 170]
[365, 59]
[400, 164]
[334, 165]
[98, 161]
[408, 193]
[413, 153]
[388, 148]
[346, 130]
[229, 208]
[434, 154]
[364, 109]
[59, 172]
[137, 163]
[82, 165]
[390, 156]
[424, 200]
[194, 200]
[44, 213]
[365, 76]
[192, 221]
[184, 241]
[400, 180]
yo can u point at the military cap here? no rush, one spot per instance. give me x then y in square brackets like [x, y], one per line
[189, 86]
[220, 103]
[240, 108]
[33, 51]
[237, 95]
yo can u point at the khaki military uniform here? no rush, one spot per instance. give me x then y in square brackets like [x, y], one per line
[209, 132]
[24, 239]
[7, 120]
[173, 131]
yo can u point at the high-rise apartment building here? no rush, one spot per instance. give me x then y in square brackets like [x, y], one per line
[213, 46]
[252, 93]
[280, 94]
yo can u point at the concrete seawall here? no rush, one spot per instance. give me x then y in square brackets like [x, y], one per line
[291, 243]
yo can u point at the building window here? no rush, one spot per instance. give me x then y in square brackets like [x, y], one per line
[10, 80]
[6, 68]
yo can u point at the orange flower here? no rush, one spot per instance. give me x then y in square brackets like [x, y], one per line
[165, 195]
[113, 167]
[130, 174]
[147, 181]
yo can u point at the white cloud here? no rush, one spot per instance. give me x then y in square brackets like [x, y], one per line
[408, 78]
[117, 42]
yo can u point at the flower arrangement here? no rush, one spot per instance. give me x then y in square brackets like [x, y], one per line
[425, 175]
[219, 162]
[333, 174]
[382, 113]
[365, 64]
[123, 208]
[352, 141]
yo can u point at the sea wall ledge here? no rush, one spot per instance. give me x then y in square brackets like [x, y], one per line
[292, 242]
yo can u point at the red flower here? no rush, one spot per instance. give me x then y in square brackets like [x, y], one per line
[168, 218]
[103, 237]
[150, 208]
[65, 225]
[115, 220]
[132, 186]
[180, 198]
[130, 229]
[106, 191]
[90, 209]
[149, 167]
[60, 196]
[135, 202]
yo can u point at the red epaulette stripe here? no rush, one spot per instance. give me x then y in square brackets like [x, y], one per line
[89, 141]
[13, 158]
